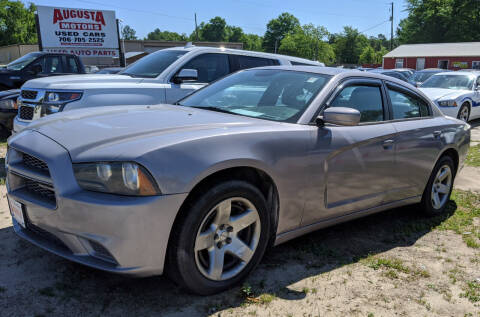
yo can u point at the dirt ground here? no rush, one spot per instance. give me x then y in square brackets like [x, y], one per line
[393, 263]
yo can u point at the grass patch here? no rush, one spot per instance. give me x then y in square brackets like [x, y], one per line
[392, 263]
[472, 292]
[250, 296]
[473, 157]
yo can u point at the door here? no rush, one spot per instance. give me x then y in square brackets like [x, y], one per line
[420, 63]
[353, 164]
[443, 64]
[209, 66]
[417, 142]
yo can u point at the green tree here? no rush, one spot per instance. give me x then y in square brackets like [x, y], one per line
[234, 33]
[437, 21]
[17, 23]
[367, 56]
[379, 55]
[214, 31]
[349, 45]
[159, 35]
[128, 33]
[252, 42]
[277, 29]
[308, 42]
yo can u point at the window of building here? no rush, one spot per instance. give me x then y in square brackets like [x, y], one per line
[399, 63]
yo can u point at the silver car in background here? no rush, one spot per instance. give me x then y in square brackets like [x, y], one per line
[199, 190]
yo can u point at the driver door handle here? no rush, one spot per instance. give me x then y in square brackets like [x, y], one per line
[387, 144]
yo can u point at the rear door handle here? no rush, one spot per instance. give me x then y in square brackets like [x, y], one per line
[387, 144]
[436, 134]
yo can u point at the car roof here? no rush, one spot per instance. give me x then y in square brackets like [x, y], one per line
[191, 48]
[431, 70]
[460, 72]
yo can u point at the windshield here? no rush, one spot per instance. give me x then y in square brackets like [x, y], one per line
[420, 77]
[457, 82]
[277, 95]
[154, 64]
[23, 61]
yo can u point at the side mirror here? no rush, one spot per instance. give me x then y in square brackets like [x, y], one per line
[35, 69]
[186, 75]
[341, 116]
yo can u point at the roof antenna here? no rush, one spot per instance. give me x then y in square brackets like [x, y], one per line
[189, 44]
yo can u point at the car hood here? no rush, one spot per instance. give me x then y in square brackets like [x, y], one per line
[82, 81]
[116, 132]
[441, 93]
[12, 93]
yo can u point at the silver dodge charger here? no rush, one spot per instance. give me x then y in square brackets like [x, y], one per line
[200, 189]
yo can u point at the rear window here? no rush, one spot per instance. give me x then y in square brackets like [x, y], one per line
[245, 62]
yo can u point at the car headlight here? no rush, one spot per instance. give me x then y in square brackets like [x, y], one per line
[122, 178]
[8, 104]
[447, 103]
[62, 96]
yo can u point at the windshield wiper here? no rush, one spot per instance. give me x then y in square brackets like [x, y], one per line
[214, 109]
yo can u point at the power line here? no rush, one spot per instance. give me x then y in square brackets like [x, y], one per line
[375, 26]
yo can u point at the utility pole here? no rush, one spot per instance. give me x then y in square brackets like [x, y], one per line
[391, 31]
[196, 27]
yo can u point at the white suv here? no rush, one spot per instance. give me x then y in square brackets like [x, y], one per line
[161, 77]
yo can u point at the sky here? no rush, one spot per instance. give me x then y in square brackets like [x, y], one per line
[369, 16]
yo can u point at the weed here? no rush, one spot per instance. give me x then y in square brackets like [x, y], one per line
[472, 292]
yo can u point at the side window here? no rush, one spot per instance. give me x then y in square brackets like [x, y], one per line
[406, 106]
[72, 65]
[245, 62]
[52, 65]
[209, 67]
[366, 99]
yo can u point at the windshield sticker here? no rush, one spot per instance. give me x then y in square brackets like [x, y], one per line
[312, 79]
[247, 112]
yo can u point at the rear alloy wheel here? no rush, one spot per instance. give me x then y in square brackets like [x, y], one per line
[220, 239]
[439, 187]
[464, 112]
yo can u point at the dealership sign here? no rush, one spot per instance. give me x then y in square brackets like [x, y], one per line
[83, 32]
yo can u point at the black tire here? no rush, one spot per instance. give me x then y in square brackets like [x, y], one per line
[464, 107]
[427, 204]
[181, 264]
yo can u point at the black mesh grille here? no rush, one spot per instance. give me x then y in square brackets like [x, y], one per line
[41, 190]
[101, 252]
[35, 163]
[43, 233]
[29, 94]
[26, 113]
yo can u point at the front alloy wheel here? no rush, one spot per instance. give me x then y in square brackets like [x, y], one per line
[219, 238]
[464, 113]
[227, 239]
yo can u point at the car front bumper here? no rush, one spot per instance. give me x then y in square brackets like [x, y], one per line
[19, 125]
[114, 233]
[450, 111]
